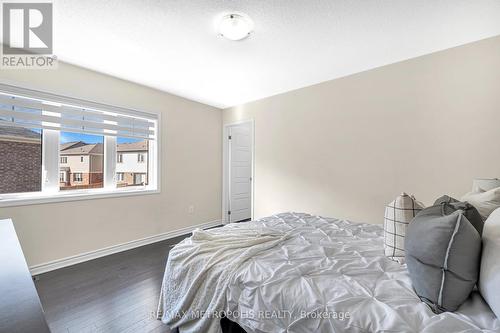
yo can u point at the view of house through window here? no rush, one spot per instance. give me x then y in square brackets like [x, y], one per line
[53, 147]
[81, 161]
[20, 159]
[132, 162]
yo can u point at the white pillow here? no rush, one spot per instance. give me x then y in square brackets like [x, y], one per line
[485, 184]
[398, 214]
[484, 201]
[489, 277]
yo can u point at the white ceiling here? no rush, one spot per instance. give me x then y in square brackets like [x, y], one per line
[172, 45]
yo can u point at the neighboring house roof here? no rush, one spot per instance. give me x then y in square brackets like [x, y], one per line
[134, 146]
[72, 144]
[82, 148]
[12, 133]
[86, 149]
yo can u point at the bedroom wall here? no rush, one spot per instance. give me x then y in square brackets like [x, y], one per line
[190, 174]
[346, 147]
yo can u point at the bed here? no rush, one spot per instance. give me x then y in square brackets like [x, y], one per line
[325, 275]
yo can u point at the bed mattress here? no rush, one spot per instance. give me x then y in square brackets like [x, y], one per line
[332, 276]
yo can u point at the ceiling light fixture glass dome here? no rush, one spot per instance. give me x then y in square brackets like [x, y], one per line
[235, 26]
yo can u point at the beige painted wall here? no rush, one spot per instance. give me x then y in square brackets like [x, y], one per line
[346, 147]
[191, 171]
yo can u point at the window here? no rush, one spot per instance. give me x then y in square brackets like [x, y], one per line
[51, 145]
[139, 178]
[134, 155]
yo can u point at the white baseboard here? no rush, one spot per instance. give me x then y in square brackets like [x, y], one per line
[79, 258]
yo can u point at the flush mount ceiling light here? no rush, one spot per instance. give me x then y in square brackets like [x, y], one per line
[235, 26]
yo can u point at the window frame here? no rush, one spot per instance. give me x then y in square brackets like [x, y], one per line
[50, 191]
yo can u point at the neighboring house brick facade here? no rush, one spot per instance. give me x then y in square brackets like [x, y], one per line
[20, 160]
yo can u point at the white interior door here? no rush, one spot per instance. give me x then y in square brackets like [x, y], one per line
[240, 172]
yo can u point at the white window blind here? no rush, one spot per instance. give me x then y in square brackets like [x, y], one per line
[59, 113]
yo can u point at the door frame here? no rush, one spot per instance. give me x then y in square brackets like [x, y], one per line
[226, 169]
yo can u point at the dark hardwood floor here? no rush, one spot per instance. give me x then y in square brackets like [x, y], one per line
[116, 293]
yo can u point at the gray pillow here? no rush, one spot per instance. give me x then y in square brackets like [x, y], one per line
[445, 199]
[472, 214]
[443, 252]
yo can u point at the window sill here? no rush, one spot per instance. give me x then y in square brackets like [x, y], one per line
[75, 195]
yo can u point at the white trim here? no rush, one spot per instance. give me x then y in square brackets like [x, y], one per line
[50, 161]
[225, 169]
[109, 174]
[79, 258]
[155, 162]
[74, 195]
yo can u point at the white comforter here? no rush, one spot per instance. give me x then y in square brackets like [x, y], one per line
[199, 269]
[329, 275]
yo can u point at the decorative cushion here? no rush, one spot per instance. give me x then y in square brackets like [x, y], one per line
[485, 201]
[443, 251]
[489, 278]
[398, 215]
[472, 214]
